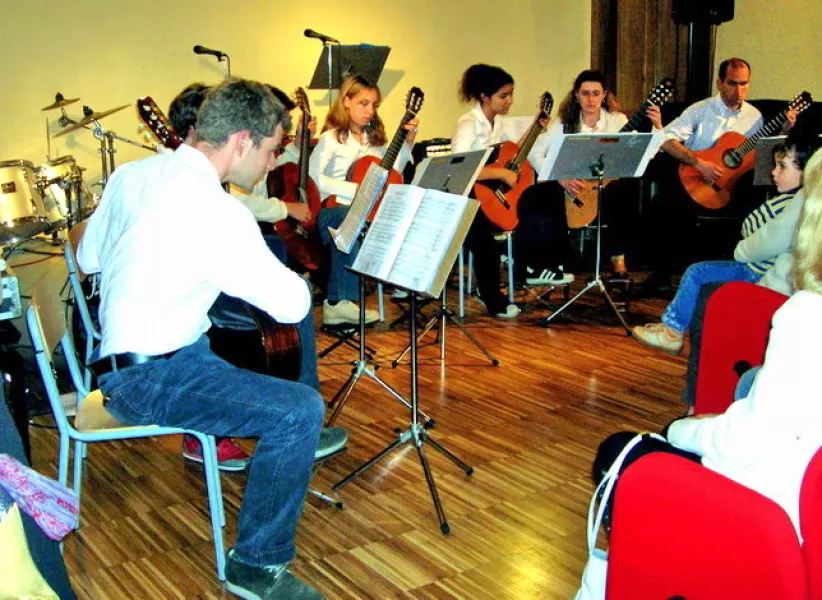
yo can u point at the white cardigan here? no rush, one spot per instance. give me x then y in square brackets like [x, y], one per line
[765, 441]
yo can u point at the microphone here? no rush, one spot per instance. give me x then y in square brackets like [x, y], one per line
[325, 39]
[203, 50]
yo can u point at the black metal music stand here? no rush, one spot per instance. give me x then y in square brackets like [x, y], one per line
[417, 433]
[456, 174]
[597, 156]
[338, 62]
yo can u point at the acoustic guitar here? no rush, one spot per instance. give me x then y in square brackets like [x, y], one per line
[497, 199]
[262, 345]
[356, 173]
[291, 183]
[736, 154]
[581, 208]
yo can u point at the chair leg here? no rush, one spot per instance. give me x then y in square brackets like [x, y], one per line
[381, 302]
[215, 499]
[79, 457]
[470, 275]
[63, 459]
[510, 244]
[461, 280]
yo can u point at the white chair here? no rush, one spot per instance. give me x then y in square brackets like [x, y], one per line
[93, 423]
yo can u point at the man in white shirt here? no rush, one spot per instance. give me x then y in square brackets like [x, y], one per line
[673, 213]
[157, 286]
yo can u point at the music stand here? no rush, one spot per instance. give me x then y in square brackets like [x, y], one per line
[353, 227]
[597, 156]
[338, 62]
[416, 433]
[454, 173]
[764, 162]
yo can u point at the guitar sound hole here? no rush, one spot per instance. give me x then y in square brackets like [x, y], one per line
[731, 161]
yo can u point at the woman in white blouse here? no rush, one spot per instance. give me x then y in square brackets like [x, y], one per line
[491, 90]
[588, 108]
[353, 129]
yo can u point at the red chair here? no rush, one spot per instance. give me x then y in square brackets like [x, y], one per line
[679, 529]
[736, 327]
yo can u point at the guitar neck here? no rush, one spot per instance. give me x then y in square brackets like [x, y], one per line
[397, 141]
[635, 121]
[770, 128]
[305, 143]
[528, 141]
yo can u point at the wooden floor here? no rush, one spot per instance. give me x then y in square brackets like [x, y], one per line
[528, 427]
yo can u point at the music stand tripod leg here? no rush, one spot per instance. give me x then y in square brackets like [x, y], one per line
[417, 433]
[361, 368]
[443, 313]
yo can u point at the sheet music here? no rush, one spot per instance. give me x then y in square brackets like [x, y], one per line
[427, 240]
[388, 231]
[367, 193]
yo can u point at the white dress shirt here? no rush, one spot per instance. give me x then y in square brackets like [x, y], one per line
[475, 132]
[701, 124]
[331, 160]
[167, 240]
[765, 441]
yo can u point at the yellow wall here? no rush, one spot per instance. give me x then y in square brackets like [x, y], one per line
[781, 41]
[110, 52]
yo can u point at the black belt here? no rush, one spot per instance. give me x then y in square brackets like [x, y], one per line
[115, 362]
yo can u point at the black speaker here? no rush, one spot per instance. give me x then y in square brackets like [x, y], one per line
[712, 12]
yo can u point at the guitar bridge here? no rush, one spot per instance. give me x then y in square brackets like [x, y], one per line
[501, 197]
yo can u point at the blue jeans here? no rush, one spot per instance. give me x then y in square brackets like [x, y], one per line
[342, 283]
[197, 390]
[680, 311]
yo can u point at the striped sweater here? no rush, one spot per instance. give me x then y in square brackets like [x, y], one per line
[768, 231]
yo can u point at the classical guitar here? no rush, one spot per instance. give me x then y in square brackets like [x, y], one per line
[264, 346]
[497, 199]
[581, 208]
[736, 154]
[290, 183]
[158, 124]
[357, 171]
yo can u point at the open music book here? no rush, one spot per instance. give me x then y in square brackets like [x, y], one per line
[415, 237]
[367, 194]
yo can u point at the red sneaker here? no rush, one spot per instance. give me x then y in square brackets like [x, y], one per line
[230, 457]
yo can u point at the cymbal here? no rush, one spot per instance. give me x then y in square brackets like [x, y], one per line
[95, 116]
[60, 102]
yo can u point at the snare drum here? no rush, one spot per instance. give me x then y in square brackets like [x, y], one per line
[22, 214]
[61, 184]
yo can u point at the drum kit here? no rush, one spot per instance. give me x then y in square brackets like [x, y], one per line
[46, 198]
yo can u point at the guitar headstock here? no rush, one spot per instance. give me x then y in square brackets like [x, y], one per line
[546, 104]
[301, 99]
[662, 93]
[802, 102]
[156, 121]
[413, 100]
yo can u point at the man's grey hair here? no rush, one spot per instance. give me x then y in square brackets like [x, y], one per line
[237, 105]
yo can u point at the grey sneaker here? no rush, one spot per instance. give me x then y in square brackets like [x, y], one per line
[346, 312]
[332, 440]
[265, 583]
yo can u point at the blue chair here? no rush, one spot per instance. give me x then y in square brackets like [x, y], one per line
[75, 277]
[93, 423]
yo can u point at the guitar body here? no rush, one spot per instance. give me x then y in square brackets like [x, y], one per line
[301, 239]
[497, 201]
[267, 347]
[718, 194]
[581, 209]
